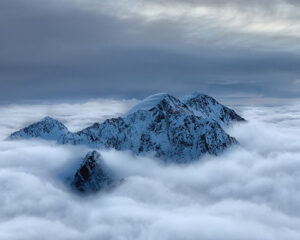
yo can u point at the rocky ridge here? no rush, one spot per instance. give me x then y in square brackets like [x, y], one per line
[161, 125]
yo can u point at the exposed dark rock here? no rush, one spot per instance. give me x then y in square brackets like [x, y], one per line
[92, 175]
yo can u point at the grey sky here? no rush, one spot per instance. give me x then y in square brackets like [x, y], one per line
[86, 49]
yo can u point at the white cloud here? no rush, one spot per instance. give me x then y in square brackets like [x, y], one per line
[75, 116]
[250, 192]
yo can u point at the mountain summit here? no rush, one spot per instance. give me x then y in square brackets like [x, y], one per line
[48, 128]
[162, 101]
[208, 107]
[92, 175]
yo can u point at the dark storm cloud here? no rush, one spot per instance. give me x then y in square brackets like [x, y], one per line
[60, 49]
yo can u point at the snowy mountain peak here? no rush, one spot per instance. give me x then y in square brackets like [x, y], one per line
[208, 107]
[92, 175]
[49, 119]
[162, 102]
[48, 128]
[161, 125]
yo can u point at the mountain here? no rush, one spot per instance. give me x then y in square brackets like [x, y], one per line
[208, 107]
[47, 128]
[163, 99]
[92, 175]
[161, 125]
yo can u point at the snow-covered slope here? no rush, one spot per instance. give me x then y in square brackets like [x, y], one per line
[161, 125]
[92, 175]
[207, 107]
[167, 129]
[153, 100]
[48, 129]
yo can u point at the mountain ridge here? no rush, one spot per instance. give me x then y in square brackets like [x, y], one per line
[208, 107]
[47, 128]
[161, 124]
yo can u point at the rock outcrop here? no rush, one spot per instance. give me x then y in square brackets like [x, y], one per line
[92, 175]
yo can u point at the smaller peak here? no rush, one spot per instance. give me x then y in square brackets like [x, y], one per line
[49, 119]
[92, 175]
[52, 121]
[47, 128]
[208, 107]
[92, 156]
[93, 153]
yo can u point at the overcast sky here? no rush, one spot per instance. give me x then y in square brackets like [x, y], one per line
[55, 49]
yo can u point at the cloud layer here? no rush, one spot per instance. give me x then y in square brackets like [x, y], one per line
[250, 192]
[82, 49]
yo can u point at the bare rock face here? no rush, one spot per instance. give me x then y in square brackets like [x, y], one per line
[92, 175]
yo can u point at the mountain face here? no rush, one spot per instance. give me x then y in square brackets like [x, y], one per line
[92, 175]
[161, 125]
[207, 107]
[48, 129]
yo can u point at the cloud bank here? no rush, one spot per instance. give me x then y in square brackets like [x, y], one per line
[249, 192]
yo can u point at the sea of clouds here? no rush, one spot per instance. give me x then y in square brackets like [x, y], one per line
[251, 191]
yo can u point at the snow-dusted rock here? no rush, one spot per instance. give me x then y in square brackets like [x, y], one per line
[92, 175]
[207, 107]
[161, 125]
[159, 98]
[47, 128]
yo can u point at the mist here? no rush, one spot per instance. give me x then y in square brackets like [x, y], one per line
[250, 192]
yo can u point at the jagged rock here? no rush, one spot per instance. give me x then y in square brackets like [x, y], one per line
[161, 125]
[92, 175]
[208, 107]
[48, 129]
